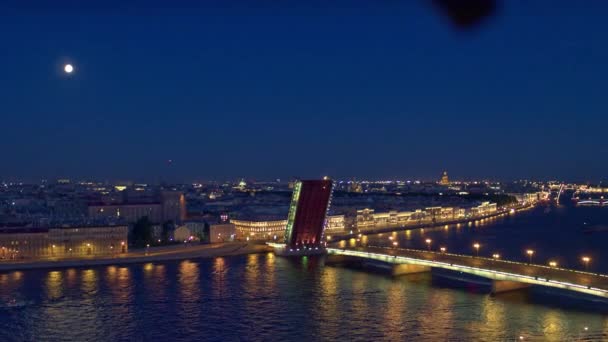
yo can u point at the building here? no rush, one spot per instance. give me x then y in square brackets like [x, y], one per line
[274, 230]
[171, 207]
[310, 202]
[335, 224]
[63, 242]
[221, 232]
[198, 228]
[260, 229]
[130, 212]
[444, 179]
[365, 218]
[485, 208]
[369, 219]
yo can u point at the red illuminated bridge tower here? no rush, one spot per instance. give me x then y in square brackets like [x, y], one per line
[306, 220]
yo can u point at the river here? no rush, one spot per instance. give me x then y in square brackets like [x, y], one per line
[264, 297]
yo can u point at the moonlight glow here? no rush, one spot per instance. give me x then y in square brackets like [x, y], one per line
[68, 68]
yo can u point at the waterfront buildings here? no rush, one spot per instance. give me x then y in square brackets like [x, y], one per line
[63, 242]
[171, 207]
[368, 218]
[274, 230]
[485, 208]
[259, 229]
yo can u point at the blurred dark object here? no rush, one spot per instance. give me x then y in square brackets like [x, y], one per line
[467, 13]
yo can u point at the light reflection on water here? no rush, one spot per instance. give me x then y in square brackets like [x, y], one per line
[265, 297]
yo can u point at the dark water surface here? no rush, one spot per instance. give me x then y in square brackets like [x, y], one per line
[263, 297]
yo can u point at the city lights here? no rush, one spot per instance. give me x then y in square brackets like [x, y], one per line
[586, 261]
[530, 253]
[476, 246]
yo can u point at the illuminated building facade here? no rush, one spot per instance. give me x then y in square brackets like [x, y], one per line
[307, 213]
[485, 208]
[259, 230]
[335, 224]
[62, 242]
[444, 179]
[369, 219]
[274, 230]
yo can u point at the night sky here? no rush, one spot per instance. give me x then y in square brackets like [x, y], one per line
[276, 89]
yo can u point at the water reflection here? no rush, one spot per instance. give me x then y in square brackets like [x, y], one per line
[327, 300]
[493, 319]
[394, 311]
[269, 298]
[189, 304]
[89, 281]
[54, 285]
[554, 326]
[436, 321]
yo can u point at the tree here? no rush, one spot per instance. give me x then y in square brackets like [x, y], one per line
[142, 232]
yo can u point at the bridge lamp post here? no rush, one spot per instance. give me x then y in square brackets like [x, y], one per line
[530, 254]
[476, 246]
[428, 244]
[586, 261]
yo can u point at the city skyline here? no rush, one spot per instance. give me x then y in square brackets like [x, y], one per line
[366, 90]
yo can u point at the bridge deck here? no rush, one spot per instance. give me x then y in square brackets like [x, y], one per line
[591, 283]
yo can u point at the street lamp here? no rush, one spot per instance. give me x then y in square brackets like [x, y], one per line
[530, 253]
[428, 243]
[586, 261]
[476, 246]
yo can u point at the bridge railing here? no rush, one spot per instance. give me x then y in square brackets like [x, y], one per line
[483, 272]
[506, 261]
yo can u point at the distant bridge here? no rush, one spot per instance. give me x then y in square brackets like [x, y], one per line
[505, 275]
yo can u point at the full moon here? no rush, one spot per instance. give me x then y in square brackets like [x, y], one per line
[68, 68]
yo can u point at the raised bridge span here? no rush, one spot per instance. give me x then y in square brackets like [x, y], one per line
[506, 275]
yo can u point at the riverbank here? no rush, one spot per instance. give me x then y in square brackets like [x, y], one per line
[392, 228]
[178, 252]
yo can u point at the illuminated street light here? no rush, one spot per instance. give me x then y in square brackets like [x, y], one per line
[586, 261]
[428, 243]
[530, 253]
[553, 263]
[476, 246]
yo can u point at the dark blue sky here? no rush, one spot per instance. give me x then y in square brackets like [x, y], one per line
[370, 89]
